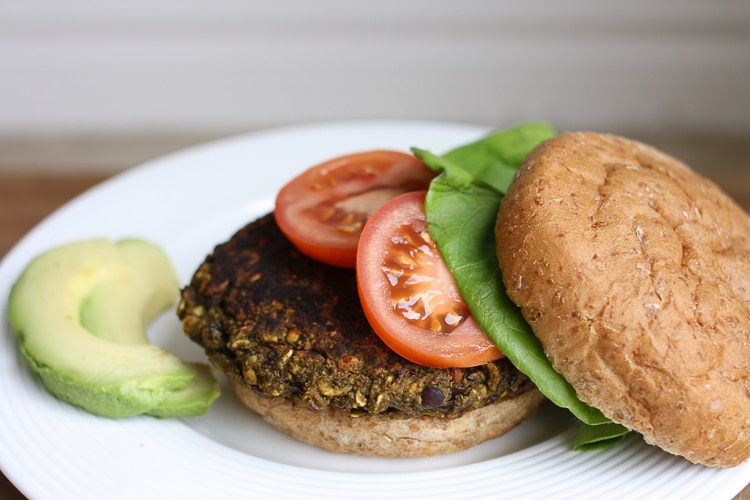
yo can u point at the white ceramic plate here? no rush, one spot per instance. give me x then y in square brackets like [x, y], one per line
[190, 201]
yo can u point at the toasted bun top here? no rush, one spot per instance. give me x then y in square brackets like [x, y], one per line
[634, 272]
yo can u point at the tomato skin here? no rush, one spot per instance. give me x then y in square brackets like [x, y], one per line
[322, 210]
[399, 270]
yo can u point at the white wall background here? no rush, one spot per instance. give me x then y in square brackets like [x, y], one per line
[103, 67]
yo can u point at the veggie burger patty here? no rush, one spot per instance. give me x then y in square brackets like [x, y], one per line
[286, 328]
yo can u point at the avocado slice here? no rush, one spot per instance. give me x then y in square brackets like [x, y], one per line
[80, 313]
[193, 400]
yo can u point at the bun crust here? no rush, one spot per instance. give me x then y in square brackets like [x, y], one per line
[377, 435]
[634, 272]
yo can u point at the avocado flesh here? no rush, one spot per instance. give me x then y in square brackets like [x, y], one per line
[80, 312]
[194, 400]
[139, 296]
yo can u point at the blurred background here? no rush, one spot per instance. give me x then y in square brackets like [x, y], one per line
[103, 85]
[89, 88]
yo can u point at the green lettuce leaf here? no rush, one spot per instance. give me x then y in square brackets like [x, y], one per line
[495, 158]
[598, 437]
[461, 207]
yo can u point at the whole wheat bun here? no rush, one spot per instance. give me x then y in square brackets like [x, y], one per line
[634, 272]
[377, 435]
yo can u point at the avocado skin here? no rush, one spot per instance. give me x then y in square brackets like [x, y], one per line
[116, 372]
[113, 400]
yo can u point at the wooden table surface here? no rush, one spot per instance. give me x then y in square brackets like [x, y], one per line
[25, 199]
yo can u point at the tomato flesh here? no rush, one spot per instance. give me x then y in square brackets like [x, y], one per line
[409, 295]
[323, 210]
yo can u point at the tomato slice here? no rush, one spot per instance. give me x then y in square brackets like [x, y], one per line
[323, 210]
[409, 295]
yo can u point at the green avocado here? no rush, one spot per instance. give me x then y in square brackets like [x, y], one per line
[80, 313]
[193, 400]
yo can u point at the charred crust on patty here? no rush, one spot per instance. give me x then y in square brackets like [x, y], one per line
[286, 326]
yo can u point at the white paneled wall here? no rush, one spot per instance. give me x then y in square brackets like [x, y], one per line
[215, 66]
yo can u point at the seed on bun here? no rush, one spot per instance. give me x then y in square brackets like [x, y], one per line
[634, 272]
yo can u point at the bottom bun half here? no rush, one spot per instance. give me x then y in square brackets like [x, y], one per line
[377, 435]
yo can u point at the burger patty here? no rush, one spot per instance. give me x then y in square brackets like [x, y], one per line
[288, 326]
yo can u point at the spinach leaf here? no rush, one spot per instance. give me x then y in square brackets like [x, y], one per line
[495, 158]
[461, 207]
[598, 437]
